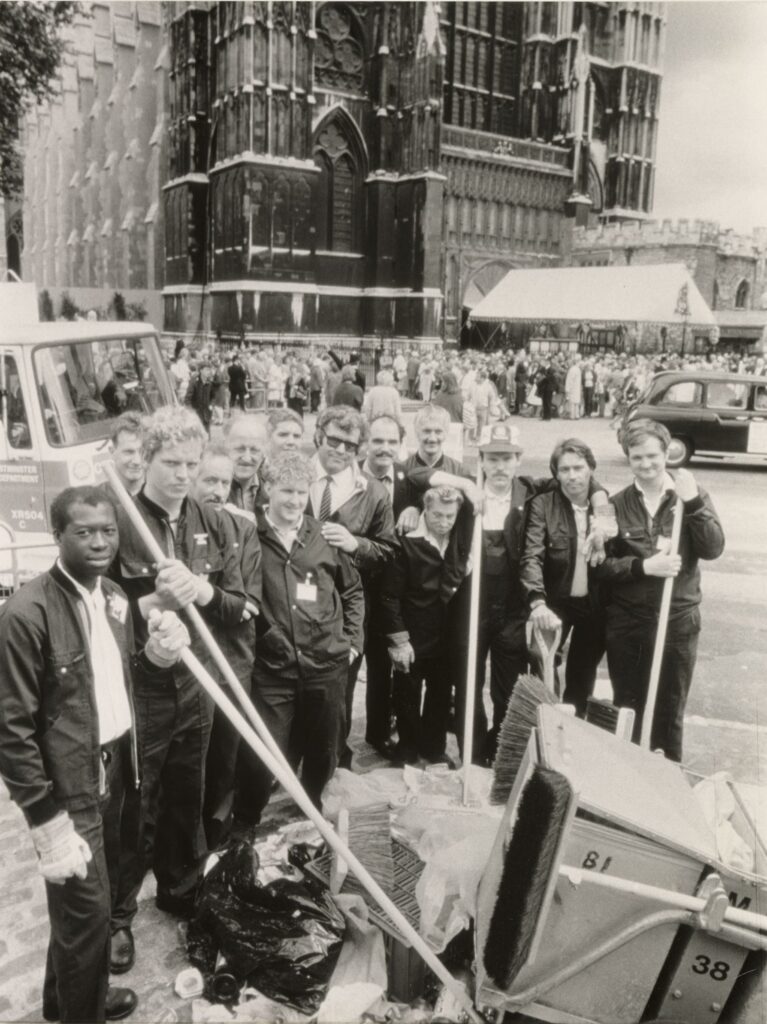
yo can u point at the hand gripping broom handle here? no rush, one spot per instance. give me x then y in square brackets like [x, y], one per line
[660, 636]
[471, 667]
[196, 619]
[287, 779]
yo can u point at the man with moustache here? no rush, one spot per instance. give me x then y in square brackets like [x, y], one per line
[211, 488]
[68, 745]
[246, 439]
[556, 568]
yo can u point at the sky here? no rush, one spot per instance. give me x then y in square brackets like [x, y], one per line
[712, 138]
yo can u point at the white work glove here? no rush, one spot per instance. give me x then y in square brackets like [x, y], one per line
[167, 637]
[62, 852]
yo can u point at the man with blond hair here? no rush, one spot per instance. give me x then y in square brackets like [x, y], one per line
[200, 567]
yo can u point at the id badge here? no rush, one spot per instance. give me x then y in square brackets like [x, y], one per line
[306, 591]
[118, 607]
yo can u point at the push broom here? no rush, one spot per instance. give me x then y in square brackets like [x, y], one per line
[263, 745]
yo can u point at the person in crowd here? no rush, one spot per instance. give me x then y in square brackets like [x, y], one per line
[382, 399]
[316, 382]
[556, 567]
[199, 395]
[245, 437]
[284, 432]
[220, 393]
[431, 425]
[574, 391]
[482, 395]
[211, 488]
[125, 447]
[425, 381]
[348, 392]
[296, 390]
[547, 386]
[201, 567]
[384, 442]
[413, 368]
[275, 392]
[67, 743]
[238, 383]
[399, 366]
[521, 383]
[355, 514]
[414, 600]
[359, 374]
[310, 630]
[589, 383]
[449, 397]
[638, 561]
[181, 372]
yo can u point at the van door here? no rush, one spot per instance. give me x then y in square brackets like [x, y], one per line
[21, 489]
[725, 428]
[757, 426]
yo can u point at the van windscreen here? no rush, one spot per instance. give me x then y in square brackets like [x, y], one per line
[84, 385]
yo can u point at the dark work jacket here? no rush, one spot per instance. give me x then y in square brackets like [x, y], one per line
[401, 487]
[301, 640]
[550, 548]
[634, 598]
[249, 498]
[367, 514]
[418, 476]
[203, 544]
[50, 752]
[239, 642]
[415, 591]
[200, 397]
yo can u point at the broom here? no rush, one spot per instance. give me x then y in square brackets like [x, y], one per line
[520, 719]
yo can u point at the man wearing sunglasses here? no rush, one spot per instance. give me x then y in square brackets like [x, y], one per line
[355, 513]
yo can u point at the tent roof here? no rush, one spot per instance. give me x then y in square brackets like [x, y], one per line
[647, 294]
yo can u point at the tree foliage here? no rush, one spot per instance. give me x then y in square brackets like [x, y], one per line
[31, 49]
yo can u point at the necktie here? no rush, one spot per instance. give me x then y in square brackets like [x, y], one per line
[325, 507]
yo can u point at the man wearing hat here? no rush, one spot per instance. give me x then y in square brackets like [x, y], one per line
[503, 612]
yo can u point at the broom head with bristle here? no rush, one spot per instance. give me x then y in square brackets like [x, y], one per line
[526, 882]
[519, 721]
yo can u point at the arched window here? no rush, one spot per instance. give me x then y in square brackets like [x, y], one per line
[339, 155]
[339, 55]
[741, 296]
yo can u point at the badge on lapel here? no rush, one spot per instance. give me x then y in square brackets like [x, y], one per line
[117, 606]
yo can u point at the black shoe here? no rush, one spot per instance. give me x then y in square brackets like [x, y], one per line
[179, 906]
[123, 953]
[120, 1002]
[403, 756]
[389, 751]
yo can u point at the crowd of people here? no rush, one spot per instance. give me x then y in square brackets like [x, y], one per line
[306, 556]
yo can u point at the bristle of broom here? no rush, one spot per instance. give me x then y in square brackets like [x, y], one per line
[369, 840]
[529, 861]
[520, 718]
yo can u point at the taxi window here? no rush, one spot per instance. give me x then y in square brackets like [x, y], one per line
[760, 398]
[15, 418]
[723, 394]
[84, 385]
[684, 392]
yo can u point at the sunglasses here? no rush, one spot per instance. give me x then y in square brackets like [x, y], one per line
[341, 443]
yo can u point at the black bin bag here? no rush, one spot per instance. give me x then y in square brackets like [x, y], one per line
[283, 938]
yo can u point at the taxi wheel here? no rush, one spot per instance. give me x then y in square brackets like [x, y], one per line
[679, 453]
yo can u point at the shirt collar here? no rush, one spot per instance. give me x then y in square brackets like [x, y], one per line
[285, 531]
[367, 468]
[668, 485]
[88, 595]
[347, 477]
[157, 510]
[425, 533]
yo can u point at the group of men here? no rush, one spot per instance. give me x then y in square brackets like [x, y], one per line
[302, 567]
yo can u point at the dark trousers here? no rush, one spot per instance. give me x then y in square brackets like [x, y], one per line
[237, 398]
[174, 725]
[502, 636]
[547, 401]
[588, 401]
[378, 692]
[411, 386]
[422, 732]
[586, 629]
[520, 397]
[304, 717]
[629, 658]
[77, 965]
[345, 752]
[121, 817]
[220, 776]
[314, 400]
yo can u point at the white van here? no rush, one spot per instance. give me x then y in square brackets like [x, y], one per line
[61, 386]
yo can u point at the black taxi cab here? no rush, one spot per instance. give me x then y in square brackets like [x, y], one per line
[717, 415]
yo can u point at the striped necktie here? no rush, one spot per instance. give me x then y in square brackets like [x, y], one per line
[325, 505]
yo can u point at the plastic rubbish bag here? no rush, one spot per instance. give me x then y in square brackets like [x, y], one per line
[284, 938]
[718, 804]
[345, 789]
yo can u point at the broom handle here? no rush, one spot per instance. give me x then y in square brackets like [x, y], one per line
[289, 781]
[660, 636]
[197, 620]
[745, 918]
[471, 668]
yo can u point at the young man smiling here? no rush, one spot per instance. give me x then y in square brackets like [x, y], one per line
[309, 631]
[125, 445]
[637, 562]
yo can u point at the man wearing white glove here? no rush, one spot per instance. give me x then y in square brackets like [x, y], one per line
[66, 738]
